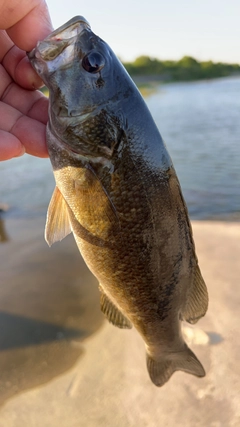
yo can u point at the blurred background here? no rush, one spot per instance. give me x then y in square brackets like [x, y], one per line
[184, 56]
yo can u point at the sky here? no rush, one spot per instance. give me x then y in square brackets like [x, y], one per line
[164, 29]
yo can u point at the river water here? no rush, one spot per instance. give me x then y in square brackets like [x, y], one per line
[200, 123]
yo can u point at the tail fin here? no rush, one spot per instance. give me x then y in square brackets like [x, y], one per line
[161, 370]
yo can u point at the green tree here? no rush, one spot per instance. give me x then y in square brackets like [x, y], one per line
[187, 68]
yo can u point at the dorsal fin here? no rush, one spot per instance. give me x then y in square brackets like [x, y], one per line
[57, 223]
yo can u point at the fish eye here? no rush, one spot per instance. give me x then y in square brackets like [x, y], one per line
[93, 62]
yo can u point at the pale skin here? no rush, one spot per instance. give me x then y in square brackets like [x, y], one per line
[23, 110]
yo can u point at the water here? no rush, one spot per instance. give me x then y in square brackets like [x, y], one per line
[26, 185]
[200, 124]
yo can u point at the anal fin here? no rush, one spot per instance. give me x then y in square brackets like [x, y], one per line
[112, 313]
[197, 299]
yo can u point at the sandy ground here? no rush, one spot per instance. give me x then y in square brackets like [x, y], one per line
[63, 365]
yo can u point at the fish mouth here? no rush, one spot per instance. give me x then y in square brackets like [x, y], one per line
[70, 29]
[49, 48]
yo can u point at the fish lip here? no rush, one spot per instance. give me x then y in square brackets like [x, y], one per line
[54, 38]
[71, 23]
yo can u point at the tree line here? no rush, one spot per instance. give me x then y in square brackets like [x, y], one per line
[185, 69]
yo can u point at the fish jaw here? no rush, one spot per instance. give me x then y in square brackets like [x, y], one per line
[58, 48]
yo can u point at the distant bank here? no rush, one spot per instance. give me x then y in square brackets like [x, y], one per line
[147, 72]
[145, 69]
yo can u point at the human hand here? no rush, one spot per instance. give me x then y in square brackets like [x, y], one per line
[23, 112]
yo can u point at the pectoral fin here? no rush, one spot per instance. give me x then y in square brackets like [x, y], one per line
[112, 313]
[57, 223]
[197, 299]
[95, 210]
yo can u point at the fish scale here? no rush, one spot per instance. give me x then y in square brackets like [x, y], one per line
[117, 191]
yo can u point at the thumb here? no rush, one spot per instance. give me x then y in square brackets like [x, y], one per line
[27, 23]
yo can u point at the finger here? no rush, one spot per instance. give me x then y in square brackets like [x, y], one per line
[17, 64]
[30, 103]
[26, 22]
[5, 44]
[30, 132]
[32, 135]
[22, 71]
[10, 146]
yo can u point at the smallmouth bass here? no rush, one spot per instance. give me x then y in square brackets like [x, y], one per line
[117, 191]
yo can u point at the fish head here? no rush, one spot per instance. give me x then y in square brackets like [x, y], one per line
[88, 87]
[56, 51]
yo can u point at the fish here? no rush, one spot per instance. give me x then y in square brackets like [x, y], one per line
[118, 193]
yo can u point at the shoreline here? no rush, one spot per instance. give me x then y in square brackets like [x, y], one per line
[156, 78]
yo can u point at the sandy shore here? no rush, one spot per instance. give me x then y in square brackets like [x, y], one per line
[62, 364]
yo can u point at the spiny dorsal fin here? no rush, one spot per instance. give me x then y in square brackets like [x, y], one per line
[197, 299]
[113, 314]
[57, 223]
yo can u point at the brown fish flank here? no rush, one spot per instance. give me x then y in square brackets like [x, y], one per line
[118, 192]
